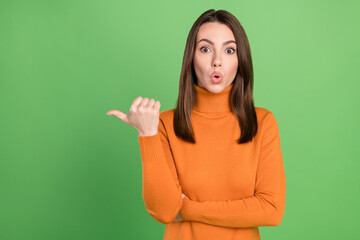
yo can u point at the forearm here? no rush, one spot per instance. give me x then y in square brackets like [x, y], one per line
[260, 210]
[161, 193]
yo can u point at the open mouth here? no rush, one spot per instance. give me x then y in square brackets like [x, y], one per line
[216, 77]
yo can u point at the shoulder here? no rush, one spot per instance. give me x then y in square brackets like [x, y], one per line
[263, 115]
[262, 112]
[267, 121]
[167, 116]
[167, 113]
[166, 120]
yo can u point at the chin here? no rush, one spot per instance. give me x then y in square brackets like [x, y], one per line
[215, 88]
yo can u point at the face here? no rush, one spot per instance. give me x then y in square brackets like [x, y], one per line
[214, 52]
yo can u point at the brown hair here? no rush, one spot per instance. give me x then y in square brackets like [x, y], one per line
[241, 95]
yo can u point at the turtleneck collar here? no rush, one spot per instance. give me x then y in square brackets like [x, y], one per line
[212, 102]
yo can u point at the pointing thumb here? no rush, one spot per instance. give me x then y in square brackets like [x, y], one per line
[120, 115]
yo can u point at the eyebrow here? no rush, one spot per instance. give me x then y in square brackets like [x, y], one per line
[207, 40]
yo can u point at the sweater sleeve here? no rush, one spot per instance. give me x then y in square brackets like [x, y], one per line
[161, 190]
[265, 208]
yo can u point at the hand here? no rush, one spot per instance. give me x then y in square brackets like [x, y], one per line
[143, 116]
[178, 217]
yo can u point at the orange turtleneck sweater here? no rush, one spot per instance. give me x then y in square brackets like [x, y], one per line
[231, 189]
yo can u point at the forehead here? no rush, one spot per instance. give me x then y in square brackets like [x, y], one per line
[215, 31]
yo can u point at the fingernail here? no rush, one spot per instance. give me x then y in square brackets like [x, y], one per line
[108, 113]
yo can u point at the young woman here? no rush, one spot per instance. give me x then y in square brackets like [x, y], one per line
[212, 167]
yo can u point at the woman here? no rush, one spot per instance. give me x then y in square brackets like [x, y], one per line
[212, 167]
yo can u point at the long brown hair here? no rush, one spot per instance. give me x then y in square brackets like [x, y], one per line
[241, 95]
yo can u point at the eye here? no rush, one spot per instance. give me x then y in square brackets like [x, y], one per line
[233, 50]
[201, 49]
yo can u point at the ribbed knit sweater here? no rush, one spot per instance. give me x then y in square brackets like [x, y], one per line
[231, 189]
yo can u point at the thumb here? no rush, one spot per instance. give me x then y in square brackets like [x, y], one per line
[120, 115]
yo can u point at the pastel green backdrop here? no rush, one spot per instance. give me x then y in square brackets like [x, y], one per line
[69, 171]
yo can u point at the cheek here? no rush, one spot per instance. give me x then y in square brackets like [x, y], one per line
[234, 65]
[199, 63]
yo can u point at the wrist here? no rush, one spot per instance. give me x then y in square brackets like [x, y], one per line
[148, 133]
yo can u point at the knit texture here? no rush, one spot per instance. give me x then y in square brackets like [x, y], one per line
[231, 189]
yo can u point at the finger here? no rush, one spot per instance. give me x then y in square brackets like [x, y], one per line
[150, 103]
[135, 103]
[143, 102]
[120, 115]
[157, 105]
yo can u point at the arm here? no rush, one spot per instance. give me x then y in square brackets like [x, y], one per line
[161, 189]
[265, 208]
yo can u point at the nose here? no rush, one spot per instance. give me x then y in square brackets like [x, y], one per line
[216, 60]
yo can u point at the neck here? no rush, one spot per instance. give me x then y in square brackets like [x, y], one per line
[212, 102]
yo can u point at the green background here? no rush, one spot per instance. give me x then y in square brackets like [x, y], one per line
[69, 171]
